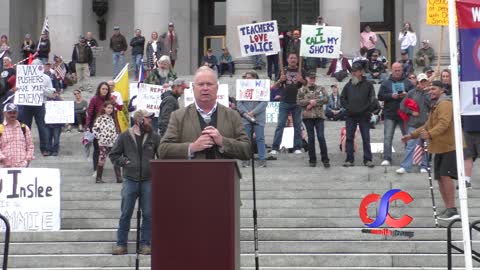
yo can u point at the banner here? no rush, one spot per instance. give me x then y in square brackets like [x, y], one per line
[30, 199]
[259, 38]
[272, 112]
[59, 112]
[121, 85]
[437, 12]
[253, 90]
[222, 95]
[30, 85]
[149, 97]
[320, 41]
[469, 39]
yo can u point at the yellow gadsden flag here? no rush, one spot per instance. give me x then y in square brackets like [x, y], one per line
[122, 86]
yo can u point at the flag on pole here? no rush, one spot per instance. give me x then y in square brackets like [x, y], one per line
[418, 152]
[122, 86]
[45, 30]
[141, 72]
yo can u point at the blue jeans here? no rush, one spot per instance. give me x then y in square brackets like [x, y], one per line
[93, 66]
[259, 138]
[388, 132]
[272, 66]
[363, 123]
[43, 59]
[136, 62]
[284, 109]
[53, 141]
[118, 62]
[382, 77]
[316, 125]
[257, 60]
[409, 150]
[222, 66]
[26, 116]
[130, 192]
[410, 52]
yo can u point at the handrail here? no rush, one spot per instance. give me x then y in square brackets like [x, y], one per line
[450, 245]
[7, 241]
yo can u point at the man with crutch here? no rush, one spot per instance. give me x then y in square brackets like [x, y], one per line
[438, 131]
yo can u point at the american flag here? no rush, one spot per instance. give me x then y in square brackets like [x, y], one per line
[45, 29]
[419, 152]
[60, 70]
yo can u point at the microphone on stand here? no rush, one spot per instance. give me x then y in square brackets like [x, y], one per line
[207, 120]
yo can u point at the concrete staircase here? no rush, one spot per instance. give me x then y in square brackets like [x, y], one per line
[308, 217]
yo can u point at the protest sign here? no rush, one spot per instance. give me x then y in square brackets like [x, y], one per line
[30, 85]
[149, 97]
[97, 51]
[259, 38]
[59, 112]
[222, 95]
[272, 112]
[30, 199]
[437, 12]
[287, 138]
[320, 41]
[253, 90]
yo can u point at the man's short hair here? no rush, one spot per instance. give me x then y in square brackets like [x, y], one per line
[205, 69]
[7, 58]
[438, 83]
[250, 72]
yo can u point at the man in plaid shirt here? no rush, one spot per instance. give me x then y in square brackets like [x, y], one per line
[16, 145]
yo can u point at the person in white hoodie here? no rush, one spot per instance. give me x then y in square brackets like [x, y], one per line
[408, 39]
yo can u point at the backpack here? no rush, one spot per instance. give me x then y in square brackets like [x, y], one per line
[22, 126]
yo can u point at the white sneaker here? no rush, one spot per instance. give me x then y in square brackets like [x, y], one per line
[401, 171]
[298, 151]
[385, 163]
[422, 170]
[274, 152]
[94, 175]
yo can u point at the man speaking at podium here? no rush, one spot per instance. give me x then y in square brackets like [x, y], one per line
[205, 129]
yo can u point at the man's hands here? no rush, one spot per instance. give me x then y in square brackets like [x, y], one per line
[406, 138]
[210, 137]
[415, 114]
[400, 95]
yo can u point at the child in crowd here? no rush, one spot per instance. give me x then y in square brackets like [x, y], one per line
[106, 133]
[54, 130]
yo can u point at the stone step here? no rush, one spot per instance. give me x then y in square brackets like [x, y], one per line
[273, 247]
[247, 260]
[246, 234]
[301, 222]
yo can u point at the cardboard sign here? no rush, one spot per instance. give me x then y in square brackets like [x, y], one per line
[222, 95]
[437, 12]
[320, 41]
[97, 51]
[30, 199]
[253, 90]
[59, 112]
[259, 38]
[272, 112]
[149, 97]
[30, 85]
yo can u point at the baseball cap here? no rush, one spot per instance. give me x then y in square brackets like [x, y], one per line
[209, 50]
[312, 74]
[403, 52]
[426, 41]
[180, 82]
[427, 69]
[357, 66]
[143, 113]
[81, 37]
[10, 107]
[116, 27]
[170, 24]
[421, 77]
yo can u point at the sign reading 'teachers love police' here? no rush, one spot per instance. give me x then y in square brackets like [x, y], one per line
[259, 38]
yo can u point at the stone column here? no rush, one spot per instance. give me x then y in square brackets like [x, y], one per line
[181, 15]
[344, 13]
[65, 22]
[151, 15]
[238, 13]
[5, 17]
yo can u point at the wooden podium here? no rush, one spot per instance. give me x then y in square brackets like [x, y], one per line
[195, 214]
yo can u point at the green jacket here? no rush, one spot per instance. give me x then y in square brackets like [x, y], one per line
[305, 94]
[155, 78]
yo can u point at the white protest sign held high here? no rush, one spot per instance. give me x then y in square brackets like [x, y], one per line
[30, 85]
[320, 41]
[259, 38]
[149, 97]
[222, 95]
[59, 112]
[253, 90]
[30, 199]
